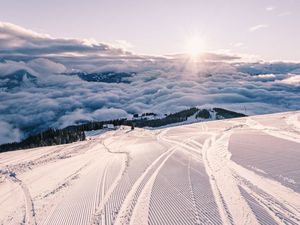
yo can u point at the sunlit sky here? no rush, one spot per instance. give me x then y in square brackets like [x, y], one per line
[266, 28]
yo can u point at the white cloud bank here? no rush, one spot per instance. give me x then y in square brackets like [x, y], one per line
[160, 84]
[258, 27]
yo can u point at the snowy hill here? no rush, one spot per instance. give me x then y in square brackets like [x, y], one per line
[105, 77]
[236, 171]
[20, 78]
[75, 133]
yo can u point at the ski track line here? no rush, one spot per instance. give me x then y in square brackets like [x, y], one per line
[273, 131]
[226, 191]
[99, 211]
[29, 207]
[122, 153]
[172, 202]
[66, 180]
[188, 149]
[112, 206]
[48, 156]
[225, 215]
[283, 214]
[275, 190]
[187, 145]
[223, 211]
[260, 210]
[205, 202]
[80, 209]
[101, 194]
[103, 187]
[293, 122]
[69, 178]
[126, 208]
[265, 204]
[100, 191]
[89, 201]
[192, 193]
[199, 145]
[141, 210]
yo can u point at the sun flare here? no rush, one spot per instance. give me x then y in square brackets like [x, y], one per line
[195, 46]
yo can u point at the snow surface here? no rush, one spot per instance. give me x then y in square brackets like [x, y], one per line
[237, 171]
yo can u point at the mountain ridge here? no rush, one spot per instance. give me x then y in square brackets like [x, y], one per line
[53, 136]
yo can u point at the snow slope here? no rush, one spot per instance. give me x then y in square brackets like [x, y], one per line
[238, 171]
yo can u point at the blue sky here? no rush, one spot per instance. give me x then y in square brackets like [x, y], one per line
[266, 28]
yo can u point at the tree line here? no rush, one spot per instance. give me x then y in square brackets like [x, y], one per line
[54, 136]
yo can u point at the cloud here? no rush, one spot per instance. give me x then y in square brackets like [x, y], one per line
[238, 44]
[8, 133]
[8, 67]
[207, 56]
[286, 13]
[160, 85]
[82, 115]
[258, 27]
[292, 79]
[45, 66]
[123, 44]
[17, 41]
[37, 67]
[270, 8]
[266, 77]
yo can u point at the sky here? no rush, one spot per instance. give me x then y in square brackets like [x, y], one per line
[267, 29]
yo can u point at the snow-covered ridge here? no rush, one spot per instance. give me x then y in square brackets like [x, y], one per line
[74, 133]
[236, 171]
[194, 113]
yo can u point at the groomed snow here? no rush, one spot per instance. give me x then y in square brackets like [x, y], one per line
[238, 171]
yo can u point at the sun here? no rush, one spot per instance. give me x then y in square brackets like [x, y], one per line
[195, 46]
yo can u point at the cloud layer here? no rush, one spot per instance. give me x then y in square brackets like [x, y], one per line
[258, 27]
[160, 84]
[17, 41]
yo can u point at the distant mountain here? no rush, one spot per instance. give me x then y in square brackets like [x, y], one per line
[217, 114]
[105, 77]
[75, 132]
[20, 78]
[23, 78]
[191, 115]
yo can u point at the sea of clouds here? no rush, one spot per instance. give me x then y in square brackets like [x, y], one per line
[160, 84]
